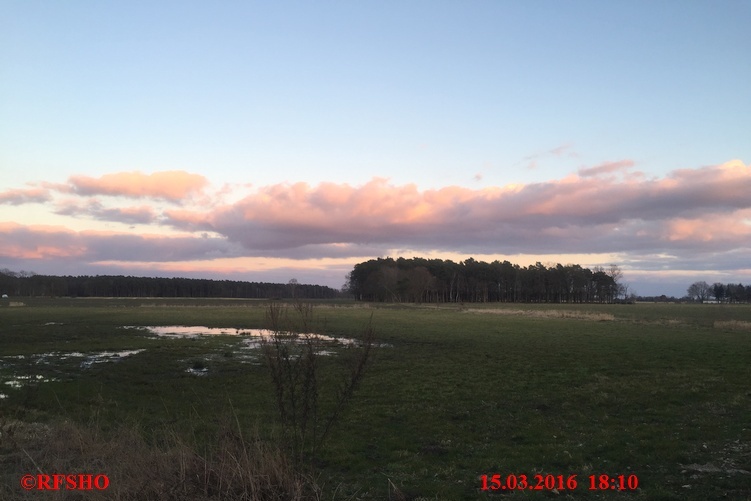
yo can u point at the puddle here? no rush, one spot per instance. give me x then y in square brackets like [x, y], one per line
[192, 331]
[19, 381]
[107, 356]
[89, 359]
[43, 358]
[252, 337]
[197, 372]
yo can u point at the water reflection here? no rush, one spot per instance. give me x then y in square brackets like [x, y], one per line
[253, 337]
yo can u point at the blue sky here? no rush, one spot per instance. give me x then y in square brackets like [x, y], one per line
[477, 95]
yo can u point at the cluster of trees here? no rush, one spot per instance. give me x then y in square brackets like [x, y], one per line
[722, 293]
[435, 280]
[31, 284]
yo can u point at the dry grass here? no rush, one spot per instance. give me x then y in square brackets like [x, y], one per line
[579, 315]
[235, 467]
[738, 325]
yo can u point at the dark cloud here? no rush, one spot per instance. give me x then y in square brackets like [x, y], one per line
[94, 209]
[53, 242]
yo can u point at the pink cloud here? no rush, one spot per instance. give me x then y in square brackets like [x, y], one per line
[24, 196]
[37, 242]
[45, 242]
[168, 185]
[188, 219]
[575, 213]
[715, 227]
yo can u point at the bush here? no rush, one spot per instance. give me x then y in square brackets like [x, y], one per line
[294, 366]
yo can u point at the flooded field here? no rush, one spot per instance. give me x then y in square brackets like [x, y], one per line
[19, 371]
[251, 337]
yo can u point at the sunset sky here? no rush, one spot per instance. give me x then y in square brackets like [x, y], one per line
[266, 141]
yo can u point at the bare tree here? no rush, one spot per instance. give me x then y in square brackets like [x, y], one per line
[293, 286]
[699, 291]
[616, 274]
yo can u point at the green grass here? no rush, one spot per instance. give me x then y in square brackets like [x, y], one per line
[656, 390]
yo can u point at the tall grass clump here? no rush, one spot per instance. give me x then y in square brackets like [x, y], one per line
[237, 465]
[732, 325]
[294, 358]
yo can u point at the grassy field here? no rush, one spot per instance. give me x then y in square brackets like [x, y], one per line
[659, 391]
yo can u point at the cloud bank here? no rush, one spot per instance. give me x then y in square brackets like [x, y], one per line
[689, 218]
[702, 209]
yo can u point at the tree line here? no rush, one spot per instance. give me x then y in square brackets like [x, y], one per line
[30, 284]
[722, 293]
[422, 280]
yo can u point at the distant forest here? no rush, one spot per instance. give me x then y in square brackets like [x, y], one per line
[722, 293]
[421, 280]
[31, 284]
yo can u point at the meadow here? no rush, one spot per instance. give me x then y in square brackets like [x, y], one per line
[655, 392]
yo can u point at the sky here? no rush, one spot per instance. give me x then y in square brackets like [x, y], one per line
[267, 141]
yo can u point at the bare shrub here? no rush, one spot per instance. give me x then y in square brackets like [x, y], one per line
[294, 365]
